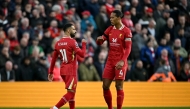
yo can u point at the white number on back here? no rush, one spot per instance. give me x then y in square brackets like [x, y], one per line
[64, 55]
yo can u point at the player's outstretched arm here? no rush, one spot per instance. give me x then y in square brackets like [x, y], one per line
[81, 52]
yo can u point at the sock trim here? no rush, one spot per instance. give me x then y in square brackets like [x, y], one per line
[64, 99]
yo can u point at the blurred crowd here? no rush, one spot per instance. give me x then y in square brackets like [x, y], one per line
[29, 30]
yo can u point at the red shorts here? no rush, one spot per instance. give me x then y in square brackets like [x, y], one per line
[110, 72]
[70, 81]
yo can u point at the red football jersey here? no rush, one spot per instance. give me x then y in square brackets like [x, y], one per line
[67, 48]
[117, 39]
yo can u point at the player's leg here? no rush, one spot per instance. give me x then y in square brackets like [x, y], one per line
[71, 83]
[119, 80]
[107, 92]
[72, 102]
[108, 76]
[120, 93]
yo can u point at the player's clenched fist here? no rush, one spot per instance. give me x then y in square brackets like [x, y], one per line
[100, 39]
[83, 40]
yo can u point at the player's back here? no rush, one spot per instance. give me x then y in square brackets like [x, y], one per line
[66, 53]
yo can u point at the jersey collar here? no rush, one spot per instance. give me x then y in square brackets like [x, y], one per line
[120, 27]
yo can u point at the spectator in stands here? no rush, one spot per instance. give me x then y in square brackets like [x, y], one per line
[182, 36]
[93, 7]
[118, 7]
[109, 6]
[185, 72]
[92, 31]
[148, 15]
[87, 71]
[54, 30]
[163, 73]
[139, 39]
[126, 20]
[100, 63]
[68, 17]
[4, 56]
[58, 12]
[169, 62]
[177, 60]
[46, 41]
[168, 37]
[160, 22]
[158, 12]
[134, 15]
[102, 19]
[148, 56]
[41, 70]
[151, 28]
[35, 54]
[182, 52]
[25, 28]
[169, 27]
[16, 57]
[76, 17]
[86, 19]
[139, 73]
[24, 47]
[35, 18]
[25, 71]
[7, 73]
[35, 43]
[38, 29]
[2, 34]
[12, 36]
[163, 45]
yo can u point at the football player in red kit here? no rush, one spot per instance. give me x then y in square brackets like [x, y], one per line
[119, 40]
[67, 49]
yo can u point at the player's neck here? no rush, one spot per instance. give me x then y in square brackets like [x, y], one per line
[67, 35]
[118, 26]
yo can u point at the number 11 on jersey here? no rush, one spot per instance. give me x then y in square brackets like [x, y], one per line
[64, 55]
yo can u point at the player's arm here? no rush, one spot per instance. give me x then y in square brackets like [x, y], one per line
[100, 40]
[128, 44]
[54, 58]
[80, 52]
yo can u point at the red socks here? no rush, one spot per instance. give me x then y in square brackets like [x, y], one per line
[120, 97]
[108, 98]
[65, 99]
[72, 103]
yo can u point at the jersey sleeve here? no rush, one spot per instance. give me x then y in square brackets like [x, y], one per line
[128, 44]
[54, 58]
[106, 32]
[105, 36]
[78, 51]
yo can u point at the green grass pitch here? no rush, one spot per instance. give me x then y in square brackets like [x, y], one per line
[114, 108]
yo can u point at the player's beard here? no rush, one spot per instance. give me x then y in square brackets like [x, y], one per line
[72, 35]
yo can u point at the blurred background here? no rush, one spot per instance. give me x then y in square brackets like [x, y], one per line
[30, 28]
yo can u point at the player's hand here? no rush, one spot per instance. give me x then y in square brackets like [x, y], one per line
[83, 40]
[50, 77]
[119, 65]
[100, 38]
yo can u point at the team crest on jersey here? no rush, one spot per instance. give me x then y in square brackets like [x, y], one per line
[120, 35]
[114, 40]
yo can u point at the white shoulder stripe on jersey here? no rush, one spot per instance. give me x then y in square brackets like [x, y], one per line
[127, 39]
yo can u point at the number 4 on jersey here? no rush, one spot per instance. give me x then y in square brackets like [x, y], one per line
[64, 55]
